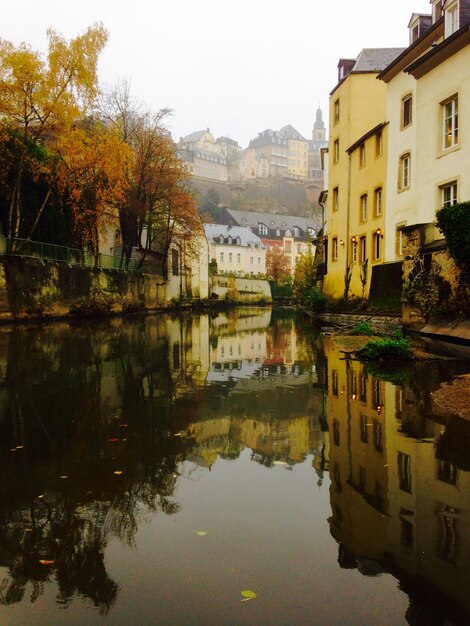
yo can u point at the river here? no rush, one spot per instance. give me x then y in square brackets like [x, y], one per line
[232, 468]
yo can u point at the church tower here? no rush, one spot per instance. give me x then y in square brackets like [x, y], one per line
[318, 132]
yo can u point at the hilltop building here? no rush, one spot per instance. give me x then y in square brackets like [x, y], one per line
[207, 157]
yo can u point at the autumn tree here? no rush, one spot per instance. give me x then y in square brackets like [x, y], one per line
[159, 196]
[91, 175]
[277, 264]
[40, 100]
[305, 282]
[159, 209]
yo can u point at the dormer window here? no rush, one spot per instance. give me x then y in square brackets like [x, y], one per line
[451, 22]
[436, 10]
[230, 239]
[296, 231]
[262, 229]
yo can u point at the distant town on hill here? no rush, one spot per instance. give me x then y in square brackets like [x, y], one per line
[279, 172]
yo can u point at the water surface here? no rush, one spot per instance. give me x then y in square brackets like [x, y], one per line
[152, 470]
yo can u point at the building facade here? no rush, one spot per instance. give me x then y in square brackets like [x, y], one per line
[357, 172]
[236, 249]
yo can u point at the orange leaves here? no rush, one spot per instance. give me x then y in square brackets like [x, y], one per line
[46, 562]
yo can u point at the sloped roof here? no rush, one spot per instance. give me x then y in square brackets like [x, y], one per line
[289, 132]
[375, 59]
[195, 136]
[272, 220]
[247, 237]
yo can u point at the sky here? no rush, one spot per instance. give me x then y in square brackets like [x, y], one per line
[236, 68]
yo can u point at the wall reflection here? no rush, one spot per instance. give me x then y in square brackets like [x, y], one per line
[400, 482]
[97, 418]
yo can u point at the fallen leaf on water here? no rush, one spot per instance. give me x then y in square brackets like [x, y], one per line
[179, 434]
[64, 476]
[124, 439]
[12, 449]
[279, 463]
[112, 440]
[28, 530]
[19, 447]
[248, 595]
[201, 533]
[123, 425]
[118, 472]
[40, 497]
[45, 562]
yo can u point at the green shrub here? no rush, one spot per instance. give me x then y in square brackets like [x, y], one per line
[362, 328]
[397, 347]
[314, 300]
[92, 306]
[454, 223]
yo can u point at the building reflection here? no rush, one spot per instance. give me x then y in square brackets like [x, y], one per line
[400, 484]
[96, 420]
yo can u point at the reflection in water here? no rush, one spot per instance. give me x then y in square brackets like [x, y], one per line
[400, 487]
[99, 424]
[96, 420]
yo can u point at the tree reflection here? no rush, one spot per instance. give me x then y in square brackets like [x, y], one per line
[79, 404]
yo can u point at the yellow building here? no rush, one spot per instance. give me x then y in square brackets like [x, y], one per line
[297, 164]
[428, 96]
[357, 170]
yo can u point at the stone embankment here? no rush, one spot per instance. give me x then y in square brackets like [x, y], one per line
[382, 324]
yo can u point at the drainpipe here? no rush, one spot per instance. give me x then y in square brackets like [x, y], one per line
[346, 243]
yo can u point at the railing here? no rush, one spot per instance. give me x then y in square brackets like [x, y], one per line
[13, 246]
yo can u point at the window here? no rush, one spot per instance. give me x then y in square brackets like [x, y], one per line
[362, 155]
[354, 250]
[399, 242]
[449, 194]
[378, 144]
[451, 19]
[259, 260]
[336, 151]
[363, 208]
[336, 111]
[378, 435]
[450, 119]
[404, 471]
[263, 229]
[362, 248]
[335, 198]
[336, 432]
[251, 260]
[377, 243]
[404, 173]
[221, 257]
[364, 434]
[406, 111]
[334, 382]
[239, 257]
[174, 262]
[378, 202]
[230, 257]
[446, 472]
[334, 249]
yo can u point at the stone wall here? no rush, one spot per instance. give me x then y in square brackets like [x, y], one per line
[384, 324]
[426, 259]
[32, 288]
[240, 289]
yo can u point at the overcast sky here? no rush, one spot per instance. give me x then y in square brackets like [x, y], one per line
[234, 67]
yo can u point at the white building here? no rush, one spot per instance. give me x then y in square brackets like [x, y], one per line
[236, 249]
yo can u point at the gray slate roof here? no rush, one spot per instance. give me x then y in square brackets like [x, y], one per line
[289, 132]
[221, 230]
[195, 136]
[272, 220]
[375, 59]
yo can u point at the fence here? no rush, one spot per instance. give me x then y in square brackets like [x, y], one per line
[13, 246]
